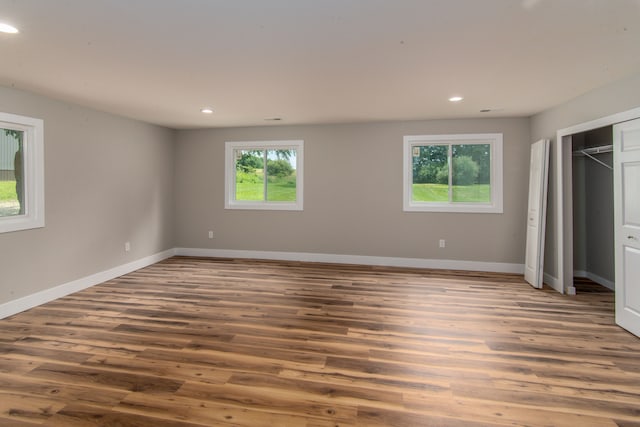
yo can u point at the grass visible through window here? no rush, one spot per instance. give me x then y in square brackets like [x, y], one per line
[8, 191]
[9, 204]
[461, 193]
[250, 187]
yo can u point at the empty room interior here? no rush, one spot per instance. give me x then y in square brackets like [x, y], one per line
[320, 213]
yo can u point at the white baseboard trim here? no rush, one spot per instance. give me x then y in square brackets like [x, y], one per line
[599, 280]
[445, 264]
[21, 304]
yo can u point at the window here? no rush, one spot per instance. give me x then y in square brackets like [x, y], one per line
[21, 173]
[453, 173]
[264, 175]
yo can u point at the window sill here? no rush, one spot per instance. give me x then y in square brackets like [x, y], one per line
[457, 208]
[274, 206]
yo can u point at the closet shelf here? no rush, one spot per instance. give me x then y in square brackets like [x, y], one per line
[590, 151]
[594, 150]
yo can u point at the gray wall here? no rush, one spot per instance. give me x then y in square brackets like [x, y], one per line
[107, 180]
[352, 195]
[618, 97]
[110, 180]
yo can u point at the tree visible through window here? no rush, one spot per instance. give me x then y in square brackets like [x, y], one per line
[453, 173]
[264, 175]
[11, 172]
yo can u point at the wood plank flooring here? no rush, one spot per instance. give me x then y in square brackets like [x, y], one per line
[216, 342]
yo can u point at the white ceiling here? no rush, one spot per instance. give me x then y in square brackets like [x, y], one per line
[316, 61]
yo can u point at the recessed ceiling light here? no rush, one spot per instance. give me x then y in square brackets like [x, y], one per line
[456, 99]
[207, 110]
[6, 28]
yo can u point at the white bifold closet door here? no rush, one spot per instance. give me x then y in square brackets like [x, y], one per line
[536, 212]
[626, 196]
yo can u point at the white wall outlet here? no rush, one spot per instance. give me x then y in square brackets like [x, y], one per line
[442, 243]
[127, 246]
[211, 234]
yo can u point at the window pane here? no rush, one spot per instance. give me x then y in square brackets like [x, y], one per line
[430, 173]
[249, 175]
[281, 175]
[265, 175]
[471, 171]
[11, 173]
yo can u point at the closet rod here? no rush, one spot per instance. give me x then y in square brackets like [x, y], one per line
[595, 150]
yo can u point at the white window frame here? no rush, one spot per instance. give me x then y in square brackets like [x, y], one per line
[33, 173]
[493, 139]
[230, 174]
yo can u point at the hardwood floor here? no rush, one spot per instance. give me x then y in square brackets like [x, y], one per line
[583, 285]
[214, 342]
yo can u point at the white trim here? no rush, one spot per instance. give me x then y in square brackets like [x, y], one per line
[564, 255]
[594, 277]
[602, 122]
[495, 140]
[230, 175]
[21, 304]
[580, 273]
[445, 264]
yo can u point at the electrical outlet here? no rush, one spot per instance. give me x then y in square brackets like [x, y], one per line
[211, 234]
[127, 246]
[442, 243]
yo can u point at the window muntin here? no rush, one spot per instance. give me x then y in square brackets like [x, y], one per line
[453, 173]
[264, 175]
[21, 173]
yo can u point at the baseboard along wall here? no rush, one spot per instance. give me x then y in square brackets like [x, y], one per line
[594, 277]
[444, 264]
[21, 304]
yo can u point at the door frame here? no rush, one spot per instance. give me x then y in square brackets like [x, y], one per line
[563, 283]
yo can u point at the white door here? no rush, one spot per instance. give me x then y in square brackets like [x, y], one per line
[536, 212]
[626, 196]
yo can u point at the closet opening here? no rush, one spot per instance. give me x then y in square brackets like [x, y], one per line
[593, 217]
